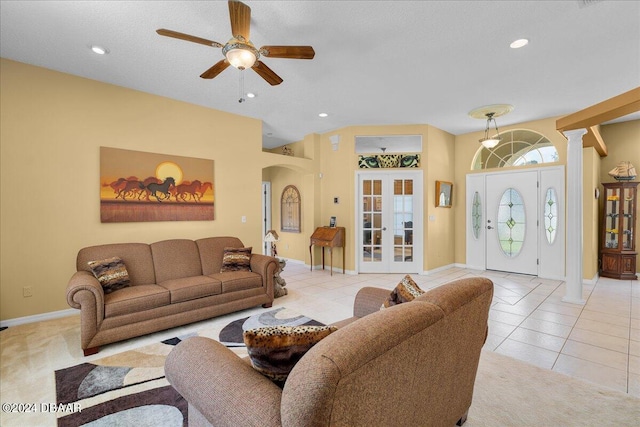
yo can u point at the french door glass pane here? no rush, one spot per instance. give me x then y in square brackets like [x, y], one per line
[403, 220]
[372, 220]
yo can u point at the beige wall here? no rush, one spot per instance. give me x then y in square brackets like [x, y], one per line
[52, 126]
[623, 143]
[590, 236]
[441, 233]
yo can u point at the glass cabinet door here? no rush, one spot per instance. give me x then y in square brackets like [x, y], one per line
[627, 221]
[612, 209]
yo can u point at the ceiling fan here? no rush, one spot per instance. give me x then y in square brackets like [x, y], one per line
[239, 51]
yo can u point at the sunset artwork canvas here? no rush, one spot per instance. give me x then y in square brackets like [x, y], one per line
[136, 186]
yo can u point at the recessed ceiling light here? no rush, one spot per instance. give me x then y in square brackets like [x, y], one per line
[323, 114]
[519, 43]
[251, 95]
[99, 50]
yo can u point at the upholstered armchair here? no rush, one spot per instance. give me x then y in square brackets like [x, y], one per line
[412, 364]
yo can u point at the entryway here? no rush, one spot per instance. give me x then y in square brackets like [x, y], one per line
[515, 221]
[389, 222]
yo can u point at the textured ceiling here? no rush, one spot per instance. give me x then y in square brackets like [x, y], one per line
[377, 62]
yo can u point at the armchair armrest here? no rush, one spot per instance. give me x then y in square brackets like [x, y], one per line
[225, 389]
[368, 300]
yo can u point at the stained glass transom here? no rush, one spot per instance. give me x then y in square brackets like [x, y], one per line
[551, 215]
[476, 215]
[511, 222]
[518, 147]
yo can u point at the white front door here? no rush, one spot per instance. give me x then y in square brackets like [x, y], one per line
[389, 237]
[512, 222]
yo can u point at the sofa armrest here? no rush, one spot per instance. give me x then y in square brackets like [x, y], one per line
[221, 386]
[368, 300]
[266, 266]
[84, 289]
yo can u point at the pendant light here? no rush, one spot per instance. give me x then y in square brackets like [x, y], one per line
[490, 142]
[490, 112]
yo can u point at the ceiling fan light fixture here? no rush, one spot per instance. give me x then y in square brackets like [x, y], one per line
[240, 55]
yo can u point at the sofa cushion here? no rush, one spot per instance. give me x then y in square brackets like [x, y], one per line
[189, 288]
[136, 256]
[174, 259]
[212, 250]
[274, 350]
[135, 299]
[405, 291]
[236, 259]
[111, 273]
[238, 280]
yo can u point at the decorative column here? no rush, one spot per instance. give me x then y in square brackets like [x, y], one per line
[573, 285]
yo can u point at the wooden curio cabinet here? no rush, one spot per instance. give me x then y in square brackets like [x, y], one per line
[618, 245]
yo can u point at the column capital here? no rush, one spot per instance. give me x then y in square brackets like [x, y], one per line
[575, 133]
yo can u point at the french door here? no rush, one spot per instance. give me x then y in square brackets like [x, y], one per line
[389, 236]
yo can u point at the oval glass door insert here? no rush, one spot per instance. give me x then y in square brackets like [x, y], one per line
[511, 222]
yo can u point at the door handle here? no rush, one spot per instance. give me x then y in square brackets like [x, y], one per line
[384, 228]
[489, 227]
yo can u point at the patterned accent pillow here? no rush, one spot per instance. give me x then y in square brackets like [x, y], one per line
[274, 350]
[236, 259]
[406, 291]
[111, 273]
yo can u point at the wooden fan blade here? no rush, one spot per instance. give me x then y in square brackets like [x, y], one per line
[266, 73]
[293, 52]
[217, 68]
[240, 15]
[187, 37]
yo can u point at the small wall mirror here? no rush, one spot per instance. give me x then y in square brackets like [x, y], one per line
[385, 144]
[444, 194]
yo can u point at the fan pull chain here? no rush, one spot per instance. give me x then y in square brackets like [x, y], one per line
[241, 100]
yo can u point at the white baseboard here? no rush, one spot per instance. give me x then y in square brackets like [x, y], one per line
[39, 317]
[592, 281]
[436, 270]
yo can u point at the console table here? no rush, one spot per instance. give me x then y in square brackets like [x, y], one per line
[328, 237]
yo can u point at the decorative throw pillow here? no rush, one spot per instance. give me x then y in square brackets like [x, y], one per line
[236, 259]
[111, 273]
[406, 291]
[274, 350]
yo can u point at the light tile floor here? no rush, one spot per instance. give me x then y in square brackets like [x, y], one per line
[598, 342]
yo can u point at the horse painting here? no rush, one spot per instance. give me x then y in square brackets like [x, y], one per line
[204, 187]
[163, 189]
[127, 187]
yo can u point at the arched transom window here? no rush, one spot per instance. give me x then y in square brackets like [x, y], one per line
[518, 147]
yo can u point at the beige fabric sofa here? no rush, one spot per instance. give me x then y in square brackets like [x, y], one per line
[173, 283]
[413, 364]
